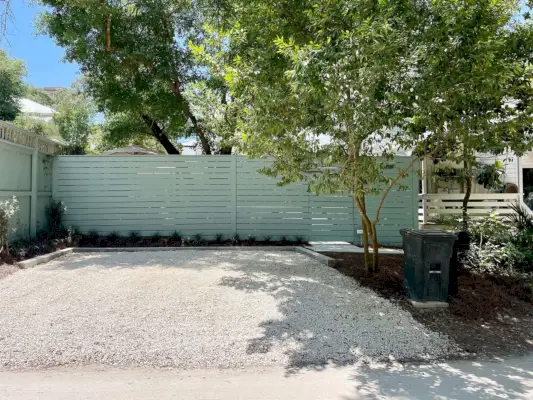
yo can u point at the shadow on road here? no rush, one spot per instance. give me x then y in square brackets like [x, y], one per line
[462, 380]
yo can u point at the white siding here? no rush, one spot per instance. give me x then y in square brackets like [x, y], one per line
[510, 164]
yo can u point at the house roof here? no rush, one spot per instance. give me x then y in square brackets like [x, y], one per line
[132, 150]
[28, 106]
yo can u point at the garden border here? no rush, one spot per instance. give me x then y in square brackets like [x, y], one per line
[32, 262]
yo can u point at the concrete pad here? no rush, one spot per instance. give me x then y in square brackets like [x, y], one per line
[344, 247]
[32, 262]
[459, 380]
[428, 304]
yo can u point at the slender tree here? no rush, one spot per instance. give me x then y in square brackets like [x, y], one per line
[372, 78]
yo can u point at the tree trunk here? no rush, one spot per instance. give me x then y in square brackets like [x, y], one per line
[186, 107]
[365, 221]
[375, 248]
[158, 133]
[199, 131]
[468, 192]
[226, 148]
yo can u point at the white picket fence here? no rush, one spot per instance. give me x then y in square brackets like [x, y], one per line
[433, 206]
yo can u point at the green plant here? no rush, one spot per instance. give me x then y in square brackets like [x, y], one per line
[299, 239]
[42, 235]
[134, 236]
[284, 240]
[236, 238]
[55, 210]
[219, 237]
[521, 217]
[252, 239]
[267, 239]
[198, 240]
[156, 237]
[92, 236]
[8, 208]
[489, 229]
[113, 237]
[451, 221]
[175, 237]
[501, 246]
[489, 175]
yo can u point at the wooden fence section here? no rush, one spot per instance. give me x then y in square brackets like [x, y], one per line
[26, 172]
[210, 195]
[434, 206]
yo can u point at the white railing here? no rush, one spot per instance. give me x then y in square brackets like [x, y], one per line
[433, 206]
[23, 137]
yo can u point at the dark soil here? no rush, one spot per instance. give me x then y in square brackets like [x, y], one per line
[490, 316]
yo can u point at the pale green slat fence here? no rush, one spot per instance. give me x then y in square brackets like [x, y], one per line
[16, 179]
[209, 195]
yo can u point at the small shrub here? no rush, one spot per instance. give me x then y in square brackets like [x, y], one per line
[134, 237]
[267, 239]
[156, 238]
[501, 247]
[55, 210]
[93, 236]
[521, 217]
[284, 241]
[42, 235]
[489, 229]
[236, 239]
[176, 236]
[101, 241]
[8, 208]
[113, 238]
[198, 240]
[299, 239]
[219, 238]
[252, 239]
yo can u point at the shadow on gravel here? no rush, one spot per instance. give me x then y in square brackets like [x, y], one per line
[465, 380]
[328, 320]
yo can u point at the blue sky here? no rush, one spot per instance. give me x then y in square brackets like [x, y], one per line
[42, 57]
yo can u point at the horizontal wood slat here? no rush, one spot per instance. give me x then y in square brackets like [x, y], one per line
[209, 195]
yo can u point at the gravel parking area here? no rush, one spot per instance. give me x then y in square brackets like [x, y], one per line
[201, 309]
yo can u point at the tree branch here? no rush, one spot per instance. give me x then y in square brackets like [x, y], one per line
[186, 107]
[161, 137]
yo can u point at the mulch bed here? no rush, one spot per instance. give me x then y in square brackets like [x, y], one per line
[490, 316]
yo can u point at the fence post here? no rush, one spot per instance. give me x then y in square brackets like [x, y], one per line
[233, 182]
[34, 187]
[416, 201]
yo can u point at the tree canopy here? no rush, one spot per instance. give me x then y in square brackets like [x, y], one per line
[332, 90]
[373, 78]
[137, 62]
[12, 72]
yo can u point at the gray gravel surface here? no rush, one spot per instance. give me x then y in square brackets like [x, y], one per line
[201, 309]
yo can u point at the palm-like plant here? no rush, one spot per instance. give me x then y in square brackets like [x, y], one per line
[522, 217]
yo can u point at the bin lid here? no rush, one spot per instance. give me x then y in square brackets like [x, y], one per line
[431, 233]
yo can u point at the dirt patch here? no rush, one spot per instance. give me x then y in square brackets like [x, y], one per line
[489, 317]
